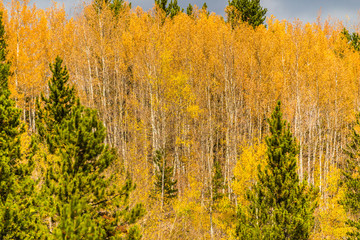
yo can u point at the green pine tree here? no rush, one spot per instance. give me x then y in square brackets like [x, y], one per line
[79, 201]
[115, 5]
[162, 4]
[217, 182]
[249, 11]
[281, 207]
[17, 210]
[174, 9]
[57, 107]
[205, 9]
[351, 180]
[352, 39]
[170, 10]
[165, 185]
[189, 10]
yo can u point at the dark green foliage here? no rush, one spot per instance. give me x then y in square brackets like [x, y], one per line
[351, 180]
[79, 201]
[189, 10]
[249, 11]
[115, 5]
[174, 9]
[205, 8]
[162, 4]
[17, 214]
[164, 183]
[217, 182]
[57, 106]
[352, 39]
[171, 10]
[281, 207]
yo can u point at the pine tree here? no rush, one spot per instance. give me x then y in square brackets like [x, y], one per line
[170, 10]
[115, 5]
[162, 4]
[204, 8]
[174, 9]
[281, 207]
[17, 213]
[352, 39]
[164, 183]
[79, 200]
[351, 180]
[249, 11]
[189, 10]
[57, 107]
[217, 182]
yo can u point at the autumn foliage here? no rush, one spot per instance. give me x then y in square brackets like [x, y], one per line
[200, 90]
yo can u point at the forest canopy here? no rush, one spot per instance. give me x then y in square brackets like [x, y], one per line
[164, 125]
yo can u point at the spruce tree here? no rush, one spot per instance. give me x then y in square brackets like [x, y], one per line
[249, 11]
[217, 182]
[80, 202]
[164, 184]
[17, 213]
[280, 206]
[170, 10]
[204, 8]
[189, 10]
[174, 9]
[56, 107]
[162, 4]
[351, 180]
[352, 39]
[115, 5]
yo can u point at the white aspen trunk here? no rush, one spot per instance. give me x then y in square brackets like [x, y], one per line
[309, 153]
[320, 160]
[162, 183]
[210, 161]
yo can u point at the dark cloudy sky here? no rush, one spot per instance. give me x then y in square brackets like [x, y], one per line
[305, 10]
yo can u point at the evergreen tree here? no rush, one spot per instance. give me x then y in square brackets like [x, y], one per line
[56, 107]
[217, 182]
[162, 4]
[281, 207]
[170, 10]
[205, 8]
[164, 183]
[189, 10]
[352, 39]
[351, 180]
[17, 213]
[115, 5]
[79, 200]
[249, 11]
[174, 9]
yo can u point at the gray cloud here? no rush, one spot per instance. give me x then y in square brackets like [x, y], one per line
[213, 5]
[70, 5]
[308, 10]
[305, 10]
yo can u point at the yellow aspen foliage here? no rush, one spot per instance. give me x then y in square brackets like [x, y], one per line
[331, 215]
[191, 217]
[245, 171]
[225, 218]
[200, 90]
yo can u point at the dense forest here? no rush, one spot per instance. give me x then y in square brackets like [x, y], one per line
[120, 123]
